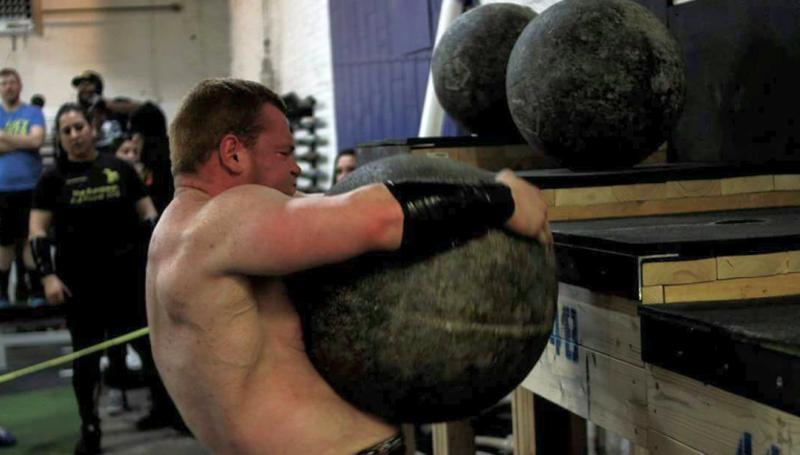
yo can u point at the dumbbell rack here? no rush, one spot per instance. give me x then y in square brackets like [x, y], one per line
[305, 126]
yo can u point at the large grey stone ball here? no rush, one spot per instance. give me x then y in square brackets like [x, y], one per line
[597, 84]
[469, 67]
[433, 338]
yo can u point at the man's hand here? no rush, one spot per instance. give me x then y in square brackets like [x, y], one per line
[530, 209]
[55, 291]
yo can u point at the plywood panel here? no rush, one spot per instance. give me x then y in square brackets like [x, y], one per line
[618, 397]
[751, 184]
[714, 421]
[693, 188]
[607, 324]
[758, 265]
[679, 272]
[787, 182]
[661, 444]
[734, 289]
[668, 206]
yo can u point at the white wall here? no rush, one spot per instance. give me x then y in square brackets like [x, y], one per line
[300, 61]
[537, 5]
[247, 39]
[156, 55]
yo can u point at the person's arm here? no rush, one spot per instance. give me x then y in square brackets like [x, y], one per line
[253, 230]
[121, 105]
[42, 249]
[146, 209]
[31, 141]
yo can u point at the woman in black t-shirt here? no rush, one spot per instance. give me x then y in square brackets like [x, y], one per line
[96, 206]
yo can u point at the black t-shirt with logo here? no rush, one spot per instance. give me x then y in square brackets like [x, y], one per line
[94, 208]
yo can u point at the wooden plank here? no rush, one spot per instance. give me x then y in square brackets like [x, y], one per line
[652, 294]
[751, 184]
[693, 188]
[734, 289]
[584, 196]
[787, 182]
[607, 324]
[560, 379]
[758, 265]
[453, 438]
[523, 422]
[618, 397]
[678, 205]
[492, 158]
[549, 197]
[639, 192]
[409, 438]
[661, 444]
[679, 272]
[717, 422]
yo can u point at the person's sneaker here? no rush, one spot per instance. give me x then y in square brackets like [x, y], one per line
[117, 402]
[7, 439]
[89, 443]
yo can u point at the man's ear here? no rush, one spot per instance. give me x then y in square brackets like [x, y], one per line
[231, 154]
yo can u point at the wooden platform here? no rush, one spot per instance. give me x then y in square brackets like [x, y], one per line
[739, 254]
[594, 370]
[665, 189]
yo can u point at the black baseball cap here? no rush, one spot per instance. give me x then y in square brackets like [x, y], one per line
[90, 76]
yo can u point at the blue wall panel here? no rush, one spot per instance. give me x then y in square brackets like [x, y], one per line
[381, 59]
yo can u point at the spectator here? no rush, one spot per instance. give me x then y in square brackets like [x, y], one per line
[148, 127]
[345, 163]
[20, 166]
[110, 116]
[96, 204]
[147, 150]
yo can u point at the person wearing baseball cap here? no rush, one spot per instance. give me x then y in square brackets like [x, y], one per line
[109, 116]
[90, 87]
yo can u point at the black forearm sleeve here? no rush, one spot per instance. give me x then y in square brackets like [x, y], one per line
[440, 215]
[42, 250]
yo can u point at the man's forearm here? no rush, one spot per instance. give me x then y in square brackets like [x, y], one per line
[30, 141]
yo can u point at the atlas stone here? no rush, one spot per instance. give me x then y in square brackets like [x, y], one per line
[597, 84]
[434, 338]
[469, 67]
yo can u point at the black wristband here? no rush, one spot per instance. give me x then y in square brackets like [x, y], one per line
[42, 251]
[441, 215]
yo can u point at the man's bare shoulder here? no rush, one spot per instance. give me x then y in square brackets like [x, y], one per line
[196, 225]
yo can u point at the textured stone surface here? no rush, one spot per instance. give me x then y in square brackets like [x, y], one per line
[430, 339]
[469, 67]
[596, 83]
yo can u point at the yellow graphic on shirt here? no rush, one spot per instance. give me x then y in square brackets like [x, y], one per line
[99, 193]
[18, 127]
[112, 176]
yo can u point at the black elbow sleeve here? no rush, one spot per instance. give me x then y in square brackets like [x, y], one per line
[42, 250]
[441, 215]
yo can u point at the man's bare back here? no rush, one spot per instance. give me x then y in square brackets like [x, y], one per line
[234, 355]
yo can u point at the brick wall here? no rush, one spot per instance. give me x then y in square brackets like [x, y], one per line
[298, 59]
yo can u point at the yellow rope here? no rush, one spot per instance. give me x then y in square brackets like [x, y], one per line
[75, 355]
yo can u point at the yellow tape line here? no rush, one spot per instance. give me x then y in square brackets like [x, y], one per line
[75, 355]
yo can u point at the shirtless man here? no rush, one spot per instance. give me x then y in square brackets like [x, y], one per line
[226, 338]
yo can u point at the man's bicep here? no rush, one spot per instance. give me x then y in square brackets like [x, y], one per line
[303, 233]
